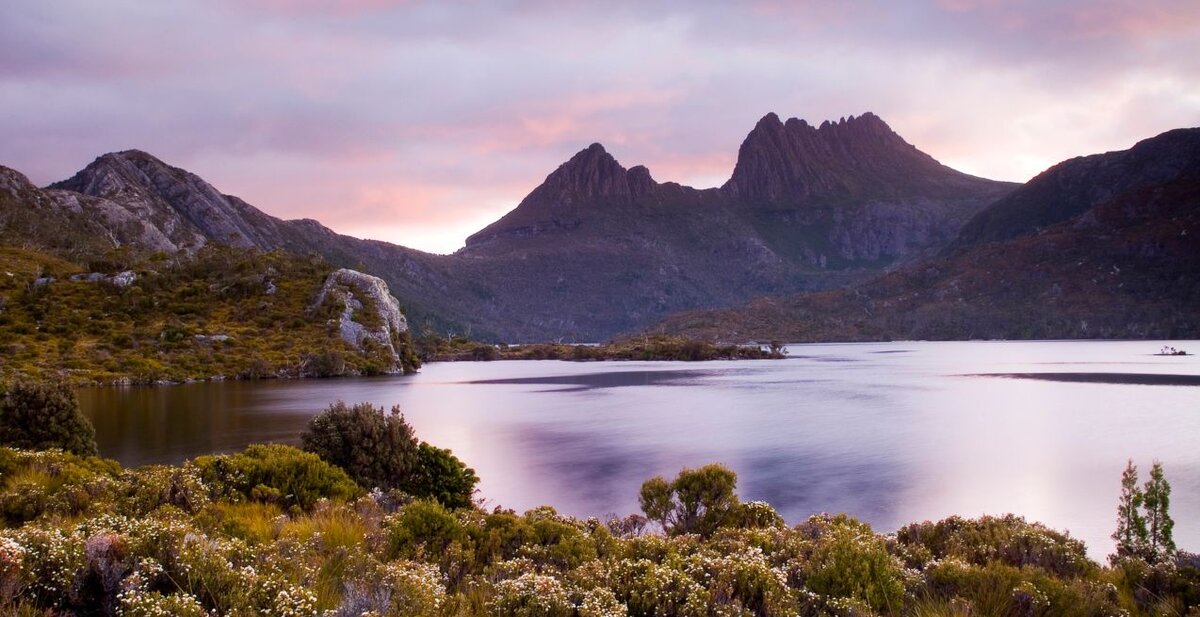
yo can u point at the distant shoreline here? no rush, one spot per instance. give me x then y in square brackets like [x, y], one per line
[1140, 379]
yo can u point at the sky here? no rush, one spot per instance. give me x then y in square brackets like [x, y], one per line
[421, 122]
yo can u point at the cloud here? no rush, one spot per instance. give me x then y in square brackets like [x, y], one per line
[423, 118]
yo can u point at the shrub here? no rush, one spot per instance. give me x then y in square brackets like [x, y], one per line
[45, 415]
[275, 473]
[423, 528]
[532, 595]
[402, 587]
[850, 561]
[442, 476]
[377, 450]
[697, 501]
[1008, 539]
[52, 482]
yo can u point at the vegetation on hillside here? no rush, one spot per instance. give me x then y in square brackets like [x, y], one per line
[434, 348]
[222, 313]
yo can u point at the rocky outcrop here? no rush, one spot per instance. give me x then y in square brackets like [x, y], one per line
[179, 204]
[861, 157]
[370, 315]
[68, 223]
[562, 202]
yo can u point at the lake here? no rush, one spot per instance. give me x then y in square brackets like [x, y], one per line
[891, 432]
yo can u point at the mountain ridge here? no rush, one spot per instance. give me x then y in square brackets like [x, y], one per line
[598, 248]
[1102, 246]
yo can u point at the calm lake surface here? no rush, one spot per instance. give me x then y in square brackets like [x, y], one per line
[891, 432]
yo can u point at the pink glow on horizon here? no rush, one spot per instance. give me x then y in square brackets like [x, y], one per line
[420, 120]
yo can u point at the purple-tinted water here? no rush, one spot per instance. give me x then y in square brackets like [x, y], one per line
[890, 432]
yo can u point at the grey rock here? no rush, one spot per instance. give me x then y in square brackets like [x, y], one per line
[179, 205]
[123, 279]
[347, 286]
[42, 281]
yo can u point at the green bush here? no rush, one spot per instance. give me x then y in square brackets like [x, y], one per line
[423, 528]
[849, 561]
[275, 473]
[1009, 540]
[442, 476]
[377, 450]
[697, 501]
[53, 483]
[45, 415]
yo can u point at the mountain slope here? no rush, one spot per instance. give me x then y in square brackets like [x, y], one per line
[598, 248]
[1106, 246]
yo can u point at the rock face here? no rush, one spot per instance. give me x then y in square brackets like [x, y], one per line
[795, 162]
[180, 205]
[69, 223]
[370, 314]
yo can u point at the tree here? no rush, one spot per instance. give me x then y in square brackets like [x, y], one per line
[1131, 535]
[374, 448]
[44, 415]
[1157, 500]
[379, 449]
[442, 476]
[697, 501]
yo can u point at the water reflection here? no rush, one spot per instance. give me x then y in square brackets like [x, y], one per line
[892, 433]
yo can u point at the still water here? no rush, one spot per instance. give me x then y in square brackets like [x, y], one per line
[891, 432]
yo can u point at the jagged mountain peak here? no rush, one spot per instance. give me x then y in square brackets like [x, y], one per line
[861, 156]
[591, 173]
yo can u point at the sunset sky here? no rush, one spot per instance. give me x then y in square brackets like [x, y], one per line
[418, 123]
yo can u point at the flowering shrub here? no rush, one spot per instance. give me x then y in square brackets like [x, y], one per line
[141, 603]
[12, 556]
[178, 541]
[402, 587]
[532, 595]
[849, 561]
[1009, 539]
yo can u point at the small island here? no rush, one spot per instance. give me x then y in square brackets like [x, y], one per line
[1167, 350]
[659, 347]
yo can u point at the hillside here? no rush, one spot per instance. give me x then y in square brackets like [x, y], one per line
[597, 248]
[1104, 246]
[220, 313]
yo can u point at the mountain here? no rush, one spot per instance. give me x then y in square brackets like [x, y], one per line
[599, 248]
[1103, 246]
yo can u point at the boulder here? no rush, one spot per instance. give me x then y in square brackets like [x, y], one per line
[383, 327]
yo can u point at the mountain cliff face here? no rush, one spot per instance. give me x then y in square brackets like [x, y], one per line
[1104, 246]
[182, 206]
[794, 162]
[599, 248]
